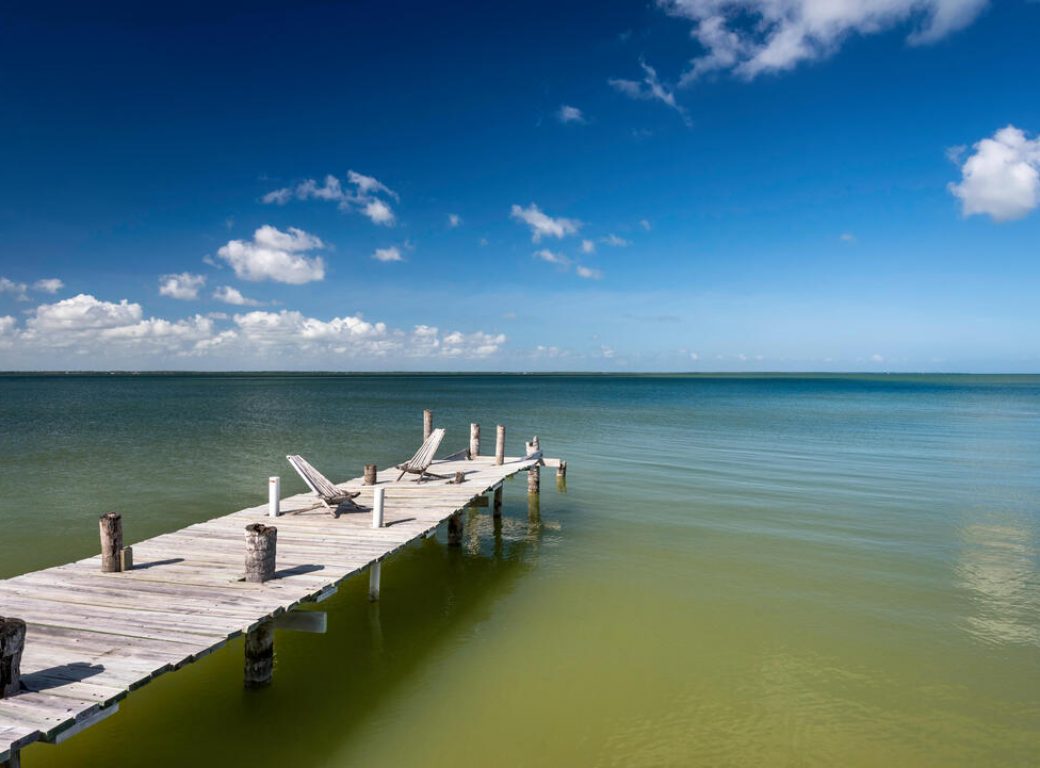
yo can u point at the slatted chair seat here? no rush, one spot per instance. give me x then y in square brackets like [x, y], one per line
[419, 464]
[332, 497]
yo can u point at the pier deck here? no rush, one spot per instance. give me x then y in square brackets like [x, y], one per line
[93, 637]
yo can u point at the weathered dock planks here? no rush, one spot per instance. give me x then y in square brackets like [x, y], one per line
[93, 637]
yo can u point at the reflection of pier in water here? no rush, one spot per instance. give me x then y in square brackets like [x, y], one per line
[92, 637]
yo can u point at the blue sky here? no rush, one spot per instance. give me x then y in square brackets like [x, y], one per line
[682, 185]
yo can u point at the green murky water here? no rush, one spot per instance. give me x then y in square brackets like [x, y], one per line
[743, 571]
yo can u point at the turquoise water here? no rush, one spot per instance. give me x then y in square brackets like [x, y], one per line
[767, 571]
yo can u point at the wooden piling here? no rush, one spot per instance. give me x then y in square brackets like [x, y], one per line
[126, 559]
[455, 530]
[460, 478]
[427, 424]
[371, 474]
[261, 545]
[259, 653]
[497, 504]
[374, 576]
[500, 444]
[111, 528]
[12, 643]
[561, 470]
[474, 440]
[534, 480]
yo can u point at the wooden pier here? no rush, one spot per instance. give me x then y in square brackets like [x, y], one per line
[91, 637]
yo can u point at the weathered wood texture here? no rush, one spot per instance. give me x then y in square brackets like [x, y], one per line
[500, 444]
[474, 440]
[12, 643]
[261, 552]
[110, 526]
[371, 474]
[427, 423]
[92, 638]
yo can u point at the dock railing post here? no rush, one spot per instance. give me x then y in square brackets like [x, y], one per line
[427, 424]
[259, 652]
[261, 545]
[111, 528]
[474, 440]
[500, 444]
[274, 495]
[377, 507]
[12, 643]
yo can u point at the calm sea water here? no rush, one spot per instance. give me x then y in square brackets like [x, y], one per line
[773, 571]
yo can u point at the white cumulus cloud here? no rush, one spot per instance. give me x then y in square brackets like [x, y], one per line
[233, 296]
[184, 286]
[15, 289]
[281, 257]
[568, 114]
[1001, 178]
[752, 37]
[362, 193]
[48, 285]
[543, 225]
[393, 253]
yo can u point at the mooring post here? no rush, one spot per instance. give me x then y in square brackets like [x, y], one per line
[111, 527]
[261, 543]
[500, 444]
[561, 470]
[534, 480]
[259, 652]
[274, 495]
[377, 507]
[126, 559]
[496, 505]
[12, 643]
[460, 478]
[427, 424]
[474, 440]
[371, 474]
[455, 530]
[374, 573]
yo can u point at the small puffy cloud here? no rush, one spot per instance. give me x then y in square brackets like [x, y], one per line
[568, 114]
[233, 296]
[588, 273]
[454, 220]
[48, 285]
[645, 224]
[614, 241]
[587, 246]
[694, 356]
[875, 358]
[281, 257]
[552, 257]
[1001, 178]
[650, 88]
[848, 237]
[605, 351]
[543, 225]
[184, 286]
[15, 289]
[362, 193]
[754, 37]
[393, 253]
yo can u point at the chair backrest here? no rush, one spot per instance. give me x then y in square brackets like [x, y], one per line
[424, 456]
[318, 483]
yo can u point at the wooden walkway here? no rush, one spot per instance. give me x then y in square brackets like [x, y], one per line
[93, 637]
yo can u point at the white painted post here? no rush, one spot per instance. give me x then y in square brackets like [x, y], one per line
[374, 572]
[274, 494]
[377, 507]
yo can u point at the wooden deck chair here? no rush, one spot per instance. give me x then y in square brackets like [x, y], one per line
[332, 497]
[419, 464]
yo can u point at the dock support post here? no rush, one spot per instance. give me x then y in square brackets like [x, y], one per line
[561, 470]
[374, 574]
[274, 495]
[427, 424]
[496, 505]
[534, 480]
[259, 666]
[474, 440]
[261, 543]
[12, 643]
[14, 760]
[378, 496]
[371, 474]
[111, 528]
[455, 530]
[500, 445]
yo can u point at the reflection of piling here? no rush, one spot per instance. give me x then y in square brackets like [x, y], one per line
[259, 651]
[497, 504]
[455, 530]
[375, 572]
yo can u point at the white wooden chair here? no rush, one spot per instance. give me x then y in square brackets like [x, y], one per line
[332, 497]
[419, 464]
